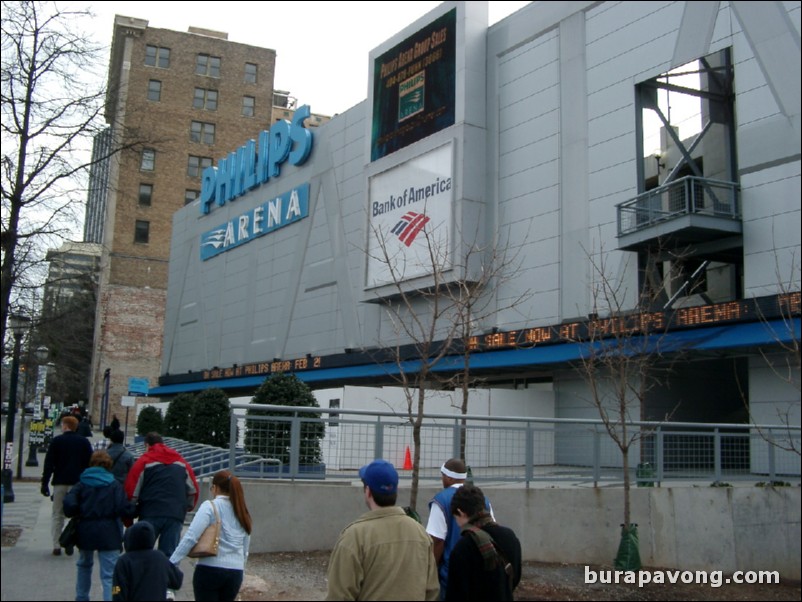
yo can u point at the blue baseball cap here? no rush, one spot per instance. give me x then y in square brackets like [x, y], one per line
[380, 476]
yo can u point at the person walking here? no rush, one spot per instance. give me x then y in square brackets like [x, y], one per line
[143, 573]
[67, 457]
[122, 459]
[220, 577]
[384, 554]
[105, 441]
[163, 486]
[85, 426]
[442, 526]
[100, 503]
[485, 563]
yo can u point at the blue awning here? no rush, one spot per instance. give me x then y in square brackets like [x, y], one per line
[733, 336]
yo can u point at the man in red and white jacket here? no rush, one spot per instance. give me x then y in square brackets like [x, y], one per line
[163, 486]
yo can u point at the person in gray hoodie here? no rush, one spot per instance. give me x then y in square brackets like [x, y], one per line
[143, 573]
[122, 459]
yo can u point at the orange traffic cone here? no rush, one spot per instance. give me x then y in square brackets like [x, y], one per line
[407, 460]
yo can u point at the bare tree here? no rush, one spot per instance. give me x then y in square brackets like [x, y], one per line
[474, 302]
[441, 318]
[784, 362]
[421, 316]
[622, 361]
[52, 101]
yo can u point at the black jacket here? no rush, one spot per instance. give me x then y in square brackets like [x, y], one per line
[67, 457]
[84, 428]
[467, 579]
[100, 502]
[143, 573]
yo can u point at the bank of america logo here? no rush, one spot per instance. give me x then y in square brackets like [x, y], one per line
[409, 226]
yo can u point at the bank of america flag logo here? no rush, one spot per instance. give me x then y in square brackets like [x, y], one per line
[409, 226]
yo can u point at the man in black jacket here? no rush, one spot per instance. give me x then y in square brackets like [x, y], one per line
[67, 457]
[485, 564]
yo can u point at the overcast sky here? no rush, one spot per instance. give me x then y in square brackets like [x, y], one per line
[321, 47]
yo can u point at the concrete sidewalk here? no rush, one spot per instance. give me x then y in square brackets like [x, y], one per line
[29, 571]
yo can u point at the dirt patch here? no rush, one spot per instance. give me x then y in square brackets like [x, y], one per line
[10, 536]
[286, 576]
[302, 576]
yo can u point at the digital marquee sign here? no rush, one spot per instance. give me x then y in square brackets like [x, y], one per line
[774, 307]
[645, 323]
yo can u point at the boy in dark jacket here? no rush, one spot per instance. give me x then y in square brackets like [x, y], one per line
[143, 573]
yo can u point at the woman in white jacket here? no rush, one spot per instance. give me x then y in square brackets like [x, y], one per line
[220, 577]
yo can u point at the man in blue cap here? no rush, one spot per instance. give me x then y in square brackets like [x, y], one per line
[384, 554]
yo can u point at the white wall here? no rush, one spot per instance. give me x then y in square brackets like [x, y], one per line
[349, 446]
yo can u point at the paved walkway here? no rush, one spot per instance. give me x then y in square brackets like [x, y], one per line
[29, 570]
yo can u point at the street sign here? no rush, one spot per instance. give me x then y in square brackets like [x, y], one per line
[128, 401]
[138, 386]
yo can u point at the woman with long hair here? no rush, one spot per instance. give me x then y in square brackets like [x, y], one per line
[220, 577]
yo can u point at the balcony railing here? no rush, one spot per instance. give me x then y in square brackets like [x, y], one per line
[687, 196]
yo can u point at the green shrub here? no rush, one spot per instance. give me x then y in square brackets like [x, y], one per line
[210, 423]
[149, 421]
[271, 438]
[178, 416]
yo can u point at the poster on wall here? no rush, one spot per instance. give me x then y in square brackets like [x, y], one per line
[414, 86]
[409, 212]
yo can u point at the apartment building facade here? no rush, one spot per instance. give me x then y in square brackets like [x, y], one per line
[176, 102]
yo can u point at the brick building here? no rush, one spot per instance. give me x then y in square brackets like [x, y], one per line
[176, 101]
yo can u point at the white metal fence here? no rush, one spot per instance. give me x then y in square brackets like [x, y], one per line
[506, 449]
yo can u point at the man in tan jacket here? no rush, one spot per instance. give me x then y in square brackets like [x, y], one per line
[384, 554]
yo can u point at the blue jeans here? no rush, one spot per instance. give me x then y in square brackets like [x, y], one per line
[168, 530]
[108, 558]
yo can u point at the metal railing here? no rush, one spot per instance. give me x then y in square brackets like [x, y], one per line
[685, 196]
[207, 459]
[334, 443]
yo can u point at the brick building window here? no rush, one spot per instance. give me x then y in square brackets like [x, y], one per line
[190, 195]
[201, 132]
[148, 162]
[145, 194]
[141, 231]
[207, 65]
[205, 99]
[248, 106]
[154, 90]
[157, 57]
[250, 73]
[196, 165]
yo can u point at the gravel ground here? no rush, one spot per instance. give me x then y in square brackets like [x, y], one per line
[302, 576]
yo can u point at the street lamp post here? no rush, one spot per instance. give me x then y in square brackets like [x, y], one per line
[41, 355]
[17, 325]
